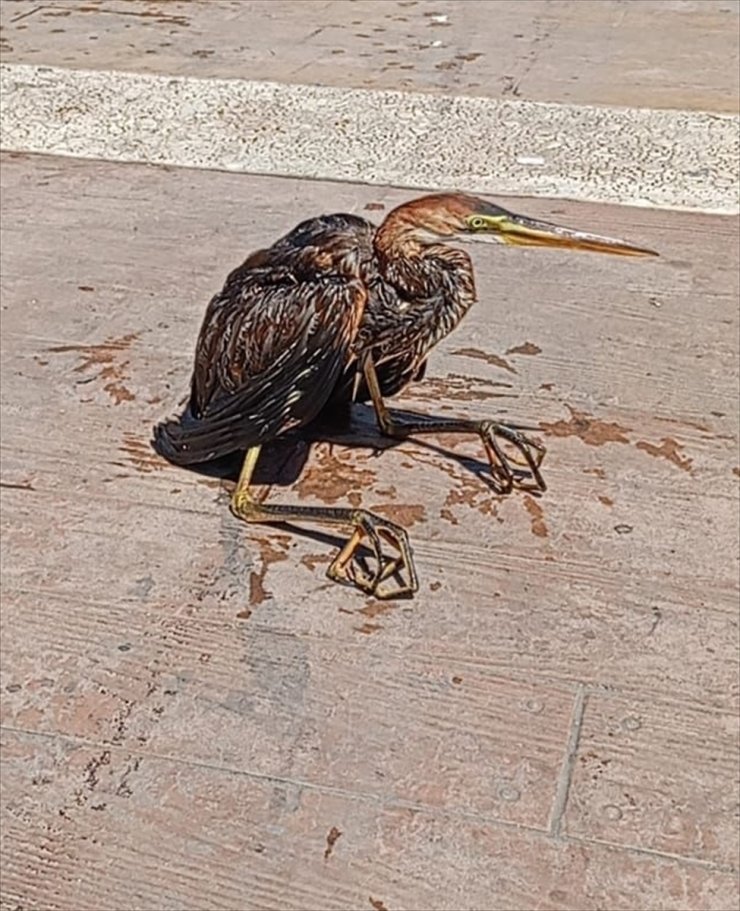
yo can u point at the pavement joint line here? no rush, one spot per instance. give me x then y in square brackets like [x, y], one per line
[653, 158]
[565, 778]
[367, 797]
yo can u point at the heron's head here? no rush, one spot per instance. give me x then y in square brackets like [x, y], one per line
[462, 218]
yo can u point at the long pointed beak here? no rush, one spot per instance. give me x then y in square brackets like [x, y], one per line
[528, 232]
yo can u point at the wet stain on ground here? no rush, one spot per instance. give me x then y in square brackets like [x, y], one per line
[271, 551]
[456, 387]
[668, 449]
[493, 359]
[539, 528]
[335, 478]
[141, 455]
[448, 515]
[376, 608]
[593, 431]
[103, 358]
[405, 514]
[525, 348]
[368, 628]
[311, 561]
[470, 493]
[332, 837]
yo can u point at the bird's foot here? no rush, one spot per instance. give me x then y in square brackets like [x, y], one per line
[391, 576]
[505, 476]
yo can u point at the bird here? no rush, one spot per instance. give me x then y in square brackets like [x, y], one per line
[341, 310]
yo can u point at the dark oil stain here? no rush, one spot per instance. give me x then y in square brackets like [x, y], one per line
[270, 553]
[589, 429]
[607, 501]
[335, 478]
[368, 628]
[213, 483]
[311, 561]
[404, 514]
[257, 593]
[469, 493]
[103, 357]
[377, 904]
[114, 384]
[375, 608]
[85, 288]
[525, 348]
[448, 516]
[331, 839]
[534, 509]
[477, 355]
[141, 455]
[458, 388]
[669, 449]
[457, 680]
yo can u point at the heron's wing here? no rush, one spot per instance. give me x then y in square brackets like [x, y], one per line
[269, 353]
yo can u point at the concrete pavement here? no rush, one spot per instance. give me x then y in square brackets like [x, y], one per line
[191, 716]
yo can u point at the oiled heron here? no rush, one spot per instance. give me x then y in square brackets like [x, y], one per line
[341, 310]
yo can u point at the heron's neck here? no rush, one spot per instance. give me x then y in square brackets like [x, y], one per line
[402, 260]
[419, 269]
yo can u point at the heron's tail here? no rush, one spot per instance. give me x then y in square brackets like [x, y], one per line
[186, 441]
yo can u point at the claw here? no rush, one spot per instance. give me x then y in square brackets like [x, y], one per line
[347, 569]
[533, 454]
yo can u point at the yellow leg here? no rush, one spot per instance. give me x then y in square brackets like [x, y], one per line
[243, 505]
[366, 526]
[502, 474]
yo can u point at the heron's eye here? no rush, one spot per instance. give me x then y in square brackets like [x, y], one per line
[476, 222]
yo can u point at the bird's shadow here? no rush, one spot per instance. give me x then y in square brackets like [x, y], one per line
[283, 461]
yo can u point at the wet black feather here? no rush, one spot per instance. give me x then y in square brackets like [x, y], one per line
[281, 343]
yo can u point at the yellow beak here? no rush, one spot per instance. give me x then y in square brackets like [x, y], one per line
[527, 232]
[521, 231]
